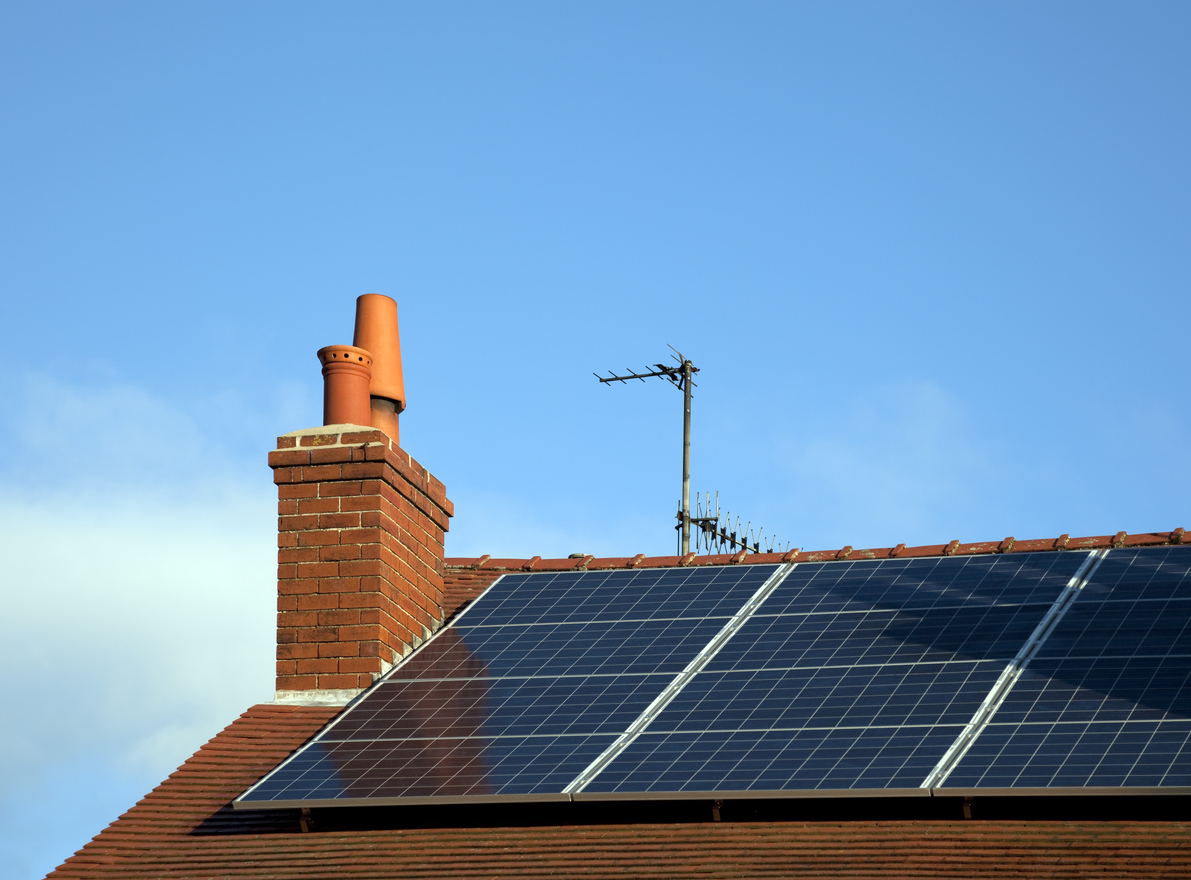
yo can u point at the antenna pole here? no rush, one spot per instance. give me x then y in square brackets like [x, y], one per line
[686, 457]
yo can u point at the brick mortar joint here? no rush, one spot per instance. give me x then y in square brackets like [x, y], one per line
[394, 479]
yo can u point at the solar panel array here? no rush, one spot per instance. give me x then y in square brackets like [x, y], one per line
[845, 677]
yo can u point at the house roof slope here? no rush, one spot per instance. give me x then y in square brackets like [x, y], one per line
[185, 828]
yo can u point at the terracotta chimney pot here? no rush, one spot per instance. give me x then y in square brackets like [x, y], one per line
[347, 371]
[377, 331]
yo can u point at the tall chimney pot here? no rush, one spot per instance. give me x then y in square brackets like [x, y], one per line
[377, 331]
[346, 374]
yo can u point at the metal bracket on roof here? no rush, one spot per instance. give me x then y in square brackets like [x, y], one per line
[1007, 679]
[662, 700]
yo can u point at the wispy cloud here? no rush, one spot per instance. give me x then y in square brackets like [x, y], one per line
[137, 581]
[893, 464]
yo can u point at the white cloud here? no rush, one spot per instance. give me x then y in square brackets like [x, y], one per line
[138, 586]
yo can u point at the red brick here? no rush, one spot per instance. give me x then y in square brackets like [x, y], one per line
[287, 442]
[330, 455]
[332, 682]
[362, 600]
[298, 490]
[360, 567]
[288, 458]
[339, 521]
[319, 440]
[361, 536]
[297, 587]
[338, 585]
[296, 523]
[322, 472]
[318, 505]
[359, 438]
[335, 553]
[297, 682]
[339, 649]
[296, 651]
[319, 601]
[316, 665]
[339, 617]
[316, 538]
[361, 502]
[298, 554]
[318, 634]
[338, 489]
[297, 618]
[318, 570]
[360, 664]
[363, 471]
[287, 667]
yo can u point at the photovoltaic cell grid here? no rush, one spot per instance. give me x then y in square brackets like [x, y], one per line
[527, 687]
[850, 676]
[1107, 701]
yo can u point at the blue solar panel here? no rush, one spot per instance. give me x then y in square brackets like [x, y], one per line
[877, 664]
[431, 767]
[640, 594]
[852, 638]
[1107, 700]
[518, 695]
[610, 648]
[895, 584]
[832, 696]
[530, 706]
[776, 760]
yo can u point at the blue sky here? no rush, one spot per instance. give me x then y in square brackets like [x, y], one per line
[930, 258]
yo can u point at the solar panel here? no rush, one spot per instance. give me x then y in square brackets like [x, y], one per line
[851, 676]
[896, 676]
[529, 685]
[1107, 700]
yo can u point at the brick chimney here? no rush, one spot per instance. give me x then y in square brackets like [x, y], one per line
[360, 543]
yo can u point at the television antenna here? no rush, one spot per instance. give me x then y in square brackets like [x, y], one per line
[725, 537]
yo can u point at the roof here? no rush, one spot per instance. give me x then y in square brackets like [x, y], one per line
[186, 828]
[467, 577]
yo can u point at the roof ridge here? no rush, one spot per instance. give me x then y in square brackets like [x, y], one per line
[900, 551]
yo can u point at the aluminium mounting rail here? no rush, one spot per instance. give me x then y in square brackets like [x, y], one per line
[1009, 677]
[662, 700]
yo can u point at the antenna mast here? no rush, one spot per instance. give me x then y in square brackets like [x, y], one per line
[680, 377]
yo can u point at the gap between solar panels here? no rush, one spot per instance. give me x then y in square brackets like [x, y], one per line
[1004, 684]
